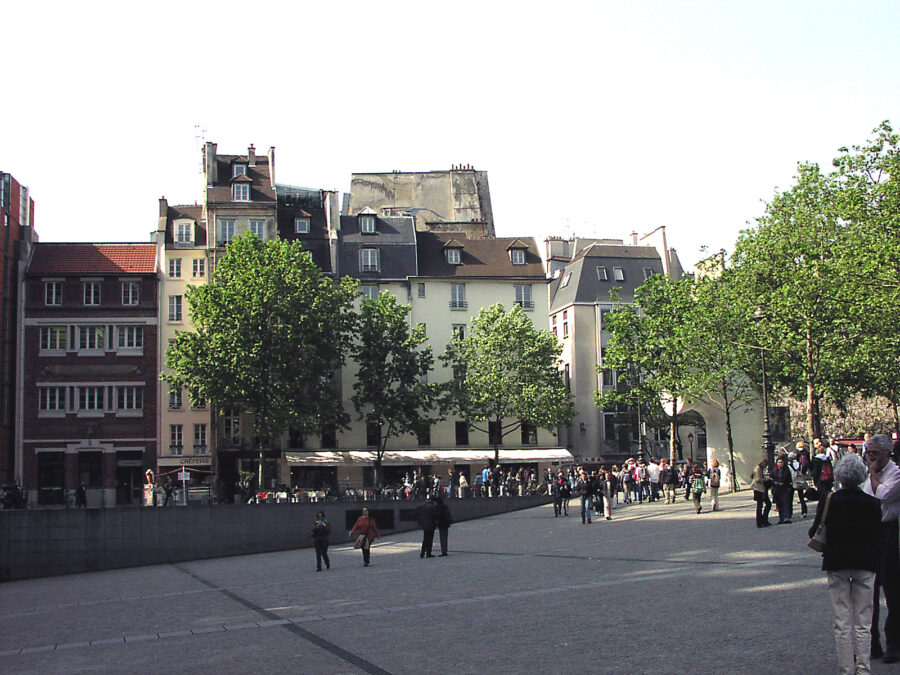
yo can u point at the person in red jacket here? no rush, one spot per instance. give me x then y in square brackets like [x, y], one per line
[366, 525]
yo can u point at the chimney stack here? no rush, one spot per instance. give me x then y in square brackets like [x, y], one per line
[209, 163]
[163, 207]
[251, 155]
[634, 236]
[272, 165]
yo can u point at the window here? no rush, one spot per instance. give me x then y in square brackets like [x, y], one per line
[53, 293]
[301, 225]
[200, 404]
[423, 434]
[90, 469]
[131, 292]
[523, 296]
[609, 426]
[174, 268]
[232, 419]
[457, 296]
[454, 256]
[373, 434]
[459, 373]
[567, 378]
[90, 398]
[367, 224]
[225, 231]
[258, 227]
[462, 433]
[565, 323]
[459, 331]
[296, 438]
[52, 399]
[175, 399]
[129, 398]
[529, 433]
[495, 433]
[54, 337]
[565, 280]
[241, 192]
[130, 337]
[421, 288]
[174, 308]
[517, 255]
[648, 272]
[368, 260]
[91, 337]
[199, 439]
[618, 274]
[175, 439]
[329, 436]
[199, 267]
[238, 170]
[91, 292]
[601, 274]
[184, 233]
[369, 291]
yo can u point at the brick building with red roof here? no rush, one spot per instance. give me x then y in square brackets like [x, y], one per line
[90, 369]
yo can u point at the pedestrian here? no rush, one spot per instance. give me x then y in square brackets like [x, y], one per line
[884, 484]
[366, 530]
[463, 485]
[320, 533]
[668, 478]
[852, 521]
[606, 490]
[585, 490]
[822, 472]
[801, 482]
[444, 520]
[556, 493]
[715, 481]
[565, 491]
[698, 487]
[653, 470]
[687, 471]
[627, 478]
[454, 483]
[760, 481]
[428, 522]
[81, 495]
[783, 490]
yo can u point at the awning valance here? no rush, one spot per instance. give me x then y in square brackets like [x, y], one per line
[448, 456]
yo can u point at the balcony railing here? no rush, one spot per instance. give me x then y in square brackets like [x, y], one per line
[176, 450]
[525, 304]
[458, 304]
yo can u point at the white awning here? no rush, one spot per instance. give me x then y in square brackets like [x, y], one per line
[449, 456]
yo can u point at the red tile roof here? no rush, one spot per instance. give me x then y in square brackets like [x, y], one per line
[93, 259]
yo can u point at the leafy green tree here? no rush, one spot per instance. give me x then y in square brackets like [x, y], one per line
[648, 346]
[391, 389]
[506, 372]
[268, 332]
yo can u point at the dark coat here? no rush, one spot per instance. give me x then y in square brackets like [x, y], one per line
[426, 516]
[443, 516]
[852, 530]
[321, 530]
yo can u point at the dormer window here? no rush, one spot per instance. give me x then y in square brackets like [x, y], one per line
[241, 192]
[184, 233]
[301, 225]
[517, 255]
[367, 224]
[648, 272]
[454, 256]
[601, 273]
[618, 274]
[239, 170]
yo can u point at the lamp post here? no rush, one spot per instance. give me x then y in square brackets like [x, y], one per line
[768, 445]
[691, 445]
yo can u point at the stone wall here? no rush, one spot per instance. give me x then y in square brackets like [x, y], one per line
[36, 543]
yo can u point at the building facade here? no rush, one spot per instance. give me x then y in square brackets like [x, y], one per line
[89, 364]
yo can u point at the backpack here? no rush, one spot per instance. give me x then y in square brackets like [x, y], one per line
[697, 487]
[714, 478]
[827, 472]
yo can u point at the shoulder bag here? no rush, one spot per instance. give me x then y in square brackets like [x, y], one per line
[817, 543]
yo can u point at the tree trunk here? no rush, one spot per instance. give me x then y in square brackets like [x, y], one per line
[811, 415]
[673, 430]
[894, 407]
[730, 438]
[262, 468]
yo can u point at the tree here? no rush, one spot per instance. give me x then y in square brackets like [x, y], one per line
[506, 373]
[268, 332]
[648, 346]
[390, 389]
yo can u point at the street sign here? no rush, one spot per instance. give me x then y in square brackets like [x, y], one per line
[184, 475]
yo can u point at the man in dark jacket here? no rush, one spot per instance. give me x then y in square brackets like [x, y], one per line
[444, 520]
[428, 522]
[585, 488]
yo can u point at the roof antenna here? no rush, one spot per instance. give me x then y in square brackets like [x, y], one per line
[199, 142]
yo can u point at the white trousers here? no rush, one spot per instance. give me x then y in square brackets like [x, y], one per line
[851, 596]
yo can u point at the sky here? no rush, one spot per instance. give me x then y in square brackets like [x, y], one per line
[593, 119]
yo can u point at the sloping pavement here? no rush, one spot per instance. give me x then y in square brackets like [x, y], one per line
[657, 589]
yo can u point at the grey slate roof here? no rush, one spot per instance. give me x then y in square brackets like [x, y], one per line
[584, 285]
[395, 239]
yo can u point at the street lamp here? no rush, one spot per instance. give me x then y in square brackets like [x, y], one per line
[768, 445]
[691, 445]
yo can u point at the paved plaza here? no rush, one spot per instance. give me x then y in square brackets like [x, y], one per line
[657, 589]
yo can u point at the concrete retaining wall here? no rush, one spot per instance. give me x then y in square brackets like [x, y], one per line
[48, 542]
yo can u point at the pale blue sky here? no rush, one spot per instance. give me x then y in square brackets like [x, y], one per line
[592, 118]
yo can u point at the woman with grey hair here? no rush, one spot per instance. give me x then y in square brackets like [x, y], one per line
[852, 522]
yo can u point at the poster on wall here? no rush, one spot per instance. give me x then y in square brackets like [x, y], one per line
[780, 423]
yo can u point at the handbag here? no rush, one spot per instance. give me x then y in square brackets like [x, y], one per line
[817, 543]
[360, 541]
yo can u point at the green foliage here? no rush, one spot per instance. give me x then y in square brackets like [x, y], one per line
[268, 333]
[390, 388]
[506, 372]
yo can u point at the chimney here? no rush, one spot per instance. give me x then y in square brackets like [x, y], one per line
[634, 236]
[251, 155]
[209, 163]
[272, 166]
[163, 207]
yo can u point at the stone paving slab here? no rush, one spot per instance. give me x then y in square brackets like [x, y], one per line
[652, 590]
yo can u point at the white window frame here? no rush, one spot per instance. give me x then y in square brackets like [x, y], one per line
[200, 442]
[52, 401]
[369, 260]
[648, 272]
[91, 293]
[91, 400]
[618, 274]
[231, 418]
[131, 292]
[523, 296]
[130, 337]
[91, 338]
[367, 224]
[369, 291]
[458, 296]
[175, 310]
[238, 170]
[602, 274]
[421, 289]
[517, 256]
[458, 330]
[199, 268]
[176, 398]
[225, 227]
[176, 439]
[184, 233]
[130, 399]
[567, 277]
[240, 192]
[174, 268]
[301, 225]
[53, 293]
[454, 256]
[258, 227]
[54, 339]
